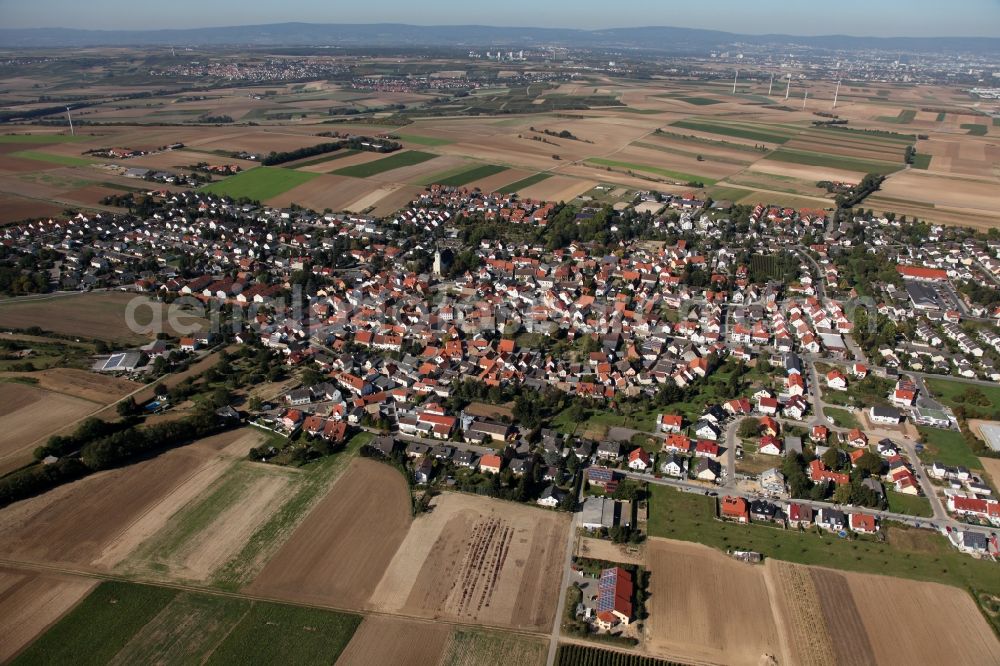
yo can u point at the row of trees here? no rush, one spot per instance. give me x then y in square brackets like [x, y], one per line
[102, 445]
[868, 185]
[356, 143]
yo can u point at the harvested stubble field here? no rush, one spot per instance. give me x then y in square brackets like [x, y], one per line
[558, 188]
[324, 191]
[30, 602]
[29, 414]
[103, 389]
[485, 648]
[200, 527]
[98, 315]
[475, 559]
[339, 552]
[798, 614]
[387, 640]
[877, 619]
[706, 607]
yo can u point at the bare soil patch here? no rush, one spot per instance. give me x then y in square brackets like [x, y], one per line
[879, 619]
[338, 553]
[14, 208]
[325, 191]
[99, 315]
[29, 413]
[602, 549]
[558, 188]
[31, 602]
[707, 607]
[385, 640]
[479, 560]
[92, 386]
[372, 198]
[74, 523]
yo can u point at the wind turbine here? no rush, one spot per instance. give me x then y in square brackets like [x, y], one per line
[770, 85]
[805, 98]
[70, 118]
[788, 86]
[737, 75]
[836, 94]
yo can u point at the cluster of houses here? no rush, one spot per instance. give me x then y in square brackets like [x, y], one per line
[795, 515]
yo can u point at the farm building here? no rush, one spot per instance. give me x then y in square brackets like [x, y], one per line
[614, 594]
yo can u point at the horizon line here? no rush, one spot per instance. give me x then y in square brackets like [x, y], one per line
[498, 27]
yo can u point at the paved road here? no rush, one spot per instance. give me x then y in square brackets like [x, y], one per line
[925, 483]
[934, 523]
[566, 582]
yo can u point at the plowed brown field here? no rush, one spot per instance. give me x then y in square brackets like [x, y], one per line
[339, 552]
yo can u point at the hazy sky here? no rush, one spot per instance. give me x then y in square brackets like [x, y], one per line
[803, 17]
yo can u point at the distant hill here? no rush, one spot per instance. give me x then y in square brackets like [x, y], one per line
[663, 39]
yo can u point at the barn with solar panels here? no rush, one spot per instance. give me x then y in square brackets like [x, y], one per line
[614, 594]
[121, 362]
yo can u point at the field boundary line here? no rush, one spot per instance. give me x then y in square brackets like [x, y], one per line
[183, 587]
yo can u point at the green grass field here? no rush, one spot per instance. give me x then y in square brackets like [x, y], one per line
[909, 504]
[840, 417]
[261, 183]
[921, 161]
[524, 183]
[722, 193]
[65, 160]
[699, 101]
[973, 398]
[470, 174]
[976, 129]
[424, 140]
[905, 116]
[832, 161]
[141, 624]
[941, 116]
[100, 626]
[277, 633]
[948, 447]
[868, 133]
[764, 134]
[339, 155]
[676, 175]
[394, 161]
[40, 138]
[908, 553]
